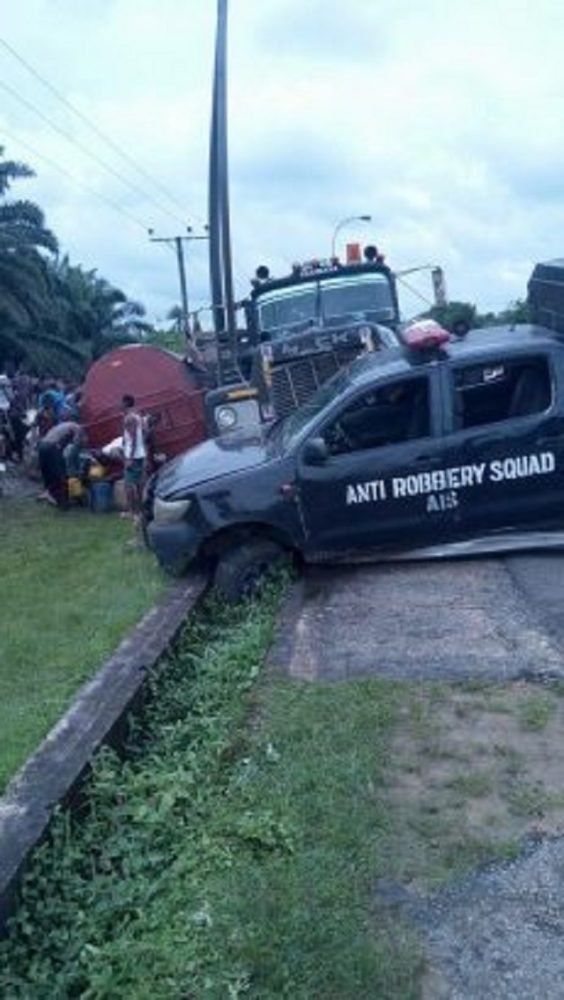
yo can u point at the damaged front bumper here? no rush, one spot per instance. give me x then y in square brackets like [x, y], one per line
[175, 545]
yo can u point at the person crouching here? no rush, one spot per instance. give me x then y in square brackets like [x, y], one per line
[52, 460]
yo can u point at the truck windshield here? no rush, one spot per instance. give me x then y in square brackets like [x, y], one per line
[326, 302]
[367, 296]
[292, 307]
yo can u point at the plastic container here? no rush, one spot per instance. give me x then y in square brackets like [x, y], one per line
[75, 488]
[101, 497]
[96, 471]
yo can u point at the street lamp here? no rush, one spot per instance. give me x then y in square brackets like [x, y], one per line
[345, 222]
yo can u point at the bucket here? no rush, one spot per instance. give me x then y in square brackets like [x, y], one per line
[75, 488]
[101, 496]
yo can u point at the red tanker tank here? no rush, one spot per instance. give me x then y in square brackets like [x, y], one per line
[161, 382]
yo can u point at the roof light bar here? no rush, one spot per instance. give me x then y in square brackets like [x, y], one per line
[424, 335]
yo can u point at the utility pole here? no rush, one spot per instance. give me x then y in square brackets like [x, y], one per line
[177, 241]
[221, 275]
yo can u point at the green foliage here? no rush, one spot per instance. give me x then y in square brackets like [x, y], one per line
[233, 852]
[69, 595]
[466, 313]
[454, 312]
[24, 241]
[92, 312]
[535, 713]
[55, 318]
[516, 312]
[169, 340]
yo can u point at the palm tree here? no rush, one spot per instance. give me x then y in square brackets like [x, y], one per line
[54, 316]
[26, 303]
[176, 316]
[93, 313]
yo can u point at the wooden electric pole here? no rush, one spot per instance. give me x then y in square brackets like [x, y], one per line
[177, 241]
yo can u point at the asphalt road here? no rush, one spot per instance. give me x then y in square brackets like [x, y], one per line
[497, 934]
[493, 619]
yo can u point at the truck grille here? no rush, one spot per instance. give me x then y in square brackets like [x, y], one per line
[295, 382]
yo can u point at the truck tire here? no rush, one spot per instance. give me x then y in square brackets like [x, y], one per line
[242, 571]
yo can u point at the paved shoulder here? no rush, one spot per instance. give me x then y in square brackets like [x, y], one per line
[540, 579]
[435, 621]
[498, 935]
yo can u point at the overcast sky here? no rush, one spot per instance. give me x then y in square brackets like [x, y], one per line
[442, 119]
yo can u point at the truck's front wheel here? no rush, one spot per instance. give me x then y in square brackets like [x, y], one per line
[243, 570]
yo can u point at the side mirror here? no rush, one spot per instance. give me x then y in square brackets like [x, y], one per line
[315, 451]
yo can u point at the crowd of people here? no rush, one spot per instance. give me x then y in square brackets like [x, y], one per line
[41, 416]
[28, 403]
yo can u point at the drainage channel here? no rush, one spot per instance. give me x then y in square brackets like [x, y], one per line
[96, 717]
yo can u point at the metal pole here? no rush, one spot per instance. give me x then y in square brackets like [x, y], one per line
[216, 277]
[183, 287]
[221, 274]
[228, 297]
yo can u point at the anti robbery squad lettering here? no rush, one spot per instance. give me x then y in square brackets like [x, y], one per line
[441, 485]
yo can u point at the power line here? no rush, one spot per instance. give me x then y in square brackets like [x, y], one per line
[56, 166]
[243, 280]
[414, 291]
[177, 241]
[90, 124]
[87, 152]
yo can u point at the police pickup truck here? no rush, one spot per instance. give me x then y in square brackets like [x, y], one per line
[436, 447]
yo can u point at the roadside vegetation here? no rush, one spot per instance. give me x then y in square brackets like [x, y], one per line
[262, 836]
[70, 593]
[55, 317]
[234, 852]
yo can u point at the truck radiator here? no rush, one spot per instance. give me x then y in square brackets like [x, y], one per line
[295, 382]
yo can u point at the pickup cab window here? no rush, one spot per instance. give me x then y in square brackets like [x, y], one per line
[385, 415]
[498, 390]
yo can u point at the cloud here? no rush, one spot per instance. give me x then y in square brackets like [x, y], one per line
[441, 120]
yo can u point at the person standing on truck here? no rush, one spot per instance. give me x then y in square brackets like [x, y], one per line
[134, 455]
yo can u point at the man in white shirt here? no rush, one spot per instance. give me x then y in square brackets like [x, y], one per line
[134, 455]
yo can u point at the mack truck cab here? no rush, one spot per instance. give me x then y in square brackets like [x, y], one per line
[302, 328]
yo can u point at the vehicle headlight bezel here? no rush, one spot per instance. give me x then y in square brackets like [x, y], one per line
[226, 417]
[170, 511]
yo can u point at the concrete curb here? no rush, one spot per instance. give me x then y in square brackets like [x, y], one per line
[97, 716]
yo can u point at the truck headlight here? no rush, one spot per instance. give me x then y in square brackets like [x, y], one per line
[226, 417]
[169, 511]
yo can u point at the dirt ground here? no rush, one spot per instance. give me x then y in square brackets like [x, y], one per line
[488, 763]
[476, 775]
[16, 484]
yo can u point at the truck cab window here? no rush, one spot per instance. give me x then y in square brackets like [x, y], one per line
[491, 392]
[326, 303]
[365, 297]
[288, 309]
[389, 414]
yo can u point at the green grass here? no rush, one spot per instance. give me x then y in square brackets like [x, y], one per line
[236, 851]
[473, 783]
[536, 712]
[69, 594]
